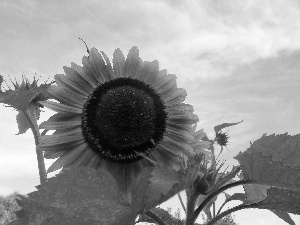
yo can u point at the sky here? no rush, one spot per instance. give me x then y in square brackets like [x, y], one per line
[238, 60]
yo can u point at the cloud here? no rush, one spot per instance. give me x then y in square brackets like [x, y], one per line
[237, 59]
[265, 94]
[192, 38]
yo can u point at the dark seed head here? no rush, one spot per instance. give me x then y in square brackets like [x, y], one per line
[121, 117]
[222, 138]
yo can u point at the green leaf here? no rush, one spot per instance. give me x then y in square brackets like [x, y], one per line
[22, 97]
[282, 148]
[163, 215]
[255, 193]
[23, 125]
[284, 216]
[227, 178]
[281, 200]
[1, 81]
[164, 183]
[263, 170]
[235, 196]
[77, 196]
[223, 125]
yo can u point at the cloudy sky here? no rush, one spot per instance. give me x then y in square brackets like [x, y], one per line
[238, 60]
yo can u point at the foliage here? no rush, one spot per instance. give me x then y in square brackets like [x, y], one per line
[8, 206]
[269, 171]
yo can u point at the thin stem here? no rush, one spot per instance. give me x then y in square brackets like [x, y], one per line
[229, 211]
[44, 132]
[155, 218]
[29, 115]
[224, 203]
[180, 199]
[214, 194]
[191, 207]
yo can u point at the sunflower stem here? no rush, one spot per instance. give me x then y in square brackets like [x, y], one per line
[214, 194]
[31, 119]
[155, 218]
[181, 202]
[191, 207]
[229, 211]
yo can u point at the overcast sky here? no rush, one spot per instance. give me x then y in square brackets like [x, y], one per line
[238, 60]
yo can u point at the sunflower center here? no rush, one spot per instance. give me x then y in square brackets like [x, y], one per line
[126, 116]
[122, 117]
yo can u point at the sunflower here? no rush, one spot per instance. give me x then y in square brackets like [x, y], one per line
[120, 117]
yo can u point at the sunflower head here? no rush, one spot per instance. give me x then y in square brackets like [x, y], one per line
[23, 93]
[121, 116]
[222, 138]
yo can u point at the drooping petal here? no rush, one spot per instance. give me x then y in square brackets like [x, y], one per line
[86, 154]
[52, 154]
[179, 146]
[181, 108]
[60, 147]
[61, 121]
[181, 133]
[67, 158]
[47, 140]
[57, 107]
[65, 97]
[183, 119]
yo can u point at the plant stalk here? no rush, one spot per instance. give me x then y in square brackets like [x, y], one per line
[191, 207]
[181, 202]
[229, 211]
[31, 119]
[214, 194]
[155, 218]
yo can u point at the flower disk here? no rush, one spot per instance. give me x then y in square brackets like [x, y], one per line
[121, 117]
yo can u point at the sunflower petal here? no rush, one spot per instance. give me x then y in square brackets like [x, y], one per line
[108, 65]
[66, 132]
[181, 108]
[78, 79]
[61, 147]
[64, 97]
[53, 155]
[183, 119]
[84, 75]
[148, 72]
[82, 158]
[67, 158]
[180, 146]
[181, 133]
[118, 63]
[175, 97]
[47, 140]
[88, 70]
[61, 121]
[61, 108]
[132, 62]
[98, 66]
[64, 82]
[165, 83]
